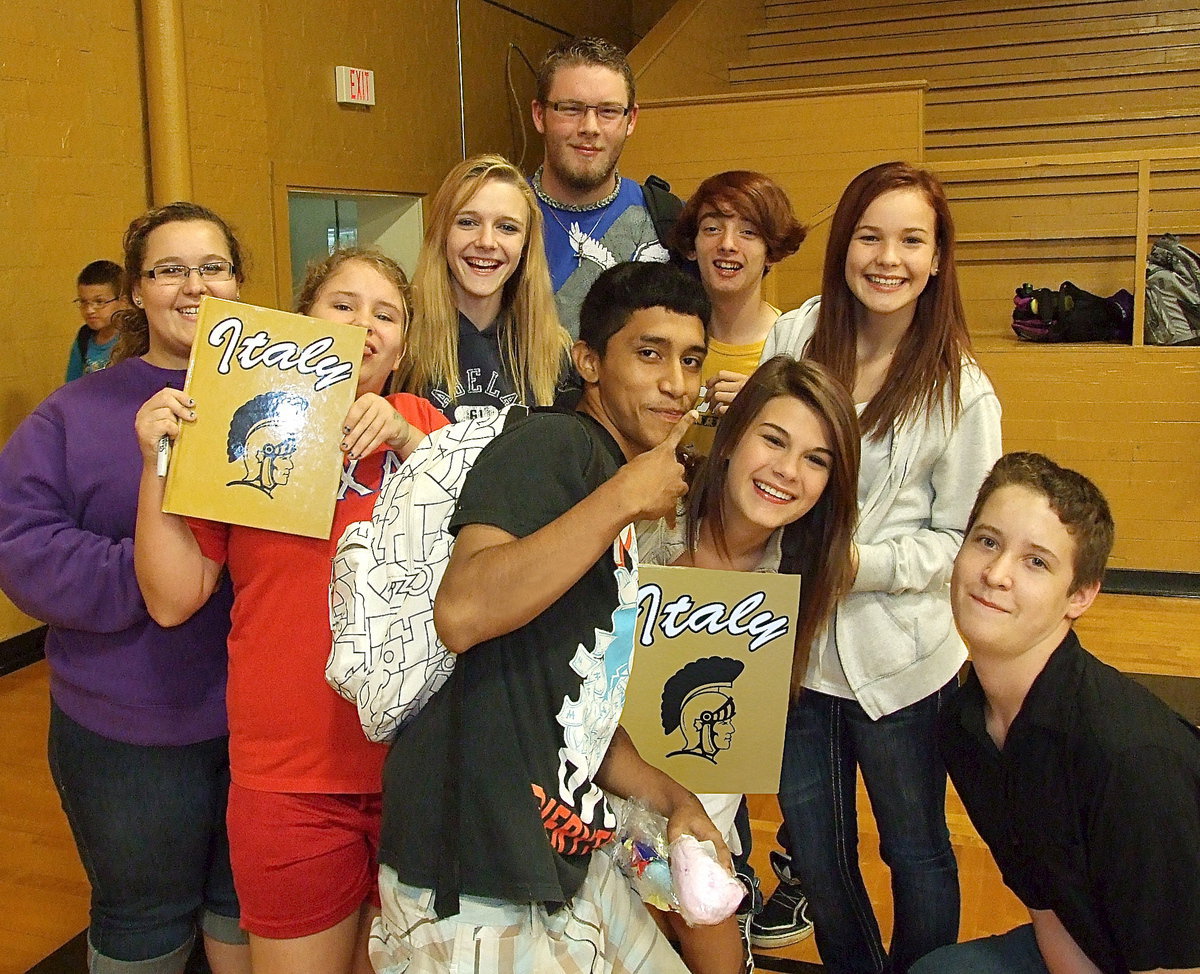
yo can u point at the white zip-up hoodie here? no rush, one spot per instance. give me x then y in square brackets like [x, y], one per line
[894, 631]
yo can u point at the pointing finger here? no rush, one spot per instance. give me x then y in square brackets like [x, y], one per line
[675, 437]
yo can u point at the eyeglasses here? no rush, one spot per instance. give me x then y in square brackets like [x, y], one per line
[577, 109]
[98, 304]
[213, 270]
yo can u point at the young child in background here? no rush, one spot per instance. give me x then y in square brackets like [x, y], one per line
[100, 286]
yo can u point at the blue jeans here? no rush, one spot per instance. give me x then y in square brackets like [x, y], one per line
[827, 738]
[1015, 952]
[149, 823]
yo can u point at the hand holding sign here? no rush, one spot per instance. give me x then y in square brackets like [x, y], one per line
[372, 420]
[161, 415]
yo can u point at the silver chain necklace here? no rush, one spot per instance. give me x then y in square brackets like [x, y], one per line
[553, 204]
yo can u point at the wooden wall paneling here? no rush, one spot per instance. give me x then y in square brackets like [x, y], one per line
[1005, 79]
[73, 173]
[1173, 204]
[495, 123]
[645, 15]
[970, 24]
[611, 19]
[1041, 225]
[401, 144]
[687, 53]
[943, 14]
[795, 63]
[977, 71]
[1126, 417]
[1001, 32]
[1116, 130]
[229, 128]
[1159, 78]
[1143, 249]
[1047, 101]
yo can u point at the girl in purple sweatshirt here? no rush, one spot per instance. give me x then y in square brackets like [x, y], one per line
[138, 741]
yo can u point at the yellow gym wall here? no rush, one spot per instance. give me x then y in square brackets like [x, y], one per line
[75, 159]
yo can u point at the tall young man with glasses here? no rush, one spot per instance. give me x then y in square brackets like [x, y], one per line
[585, 110]
[99, 298]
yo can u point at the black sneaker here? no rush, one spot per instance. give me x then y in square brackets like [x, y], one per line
[783, 920]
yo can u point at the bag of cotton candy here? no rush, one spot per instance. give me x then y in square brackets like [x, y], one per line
[684, 876]
[705, 891]
[640, 850]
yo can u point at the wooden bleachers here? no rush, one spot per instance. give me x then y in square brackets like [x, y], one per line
[1040, 76]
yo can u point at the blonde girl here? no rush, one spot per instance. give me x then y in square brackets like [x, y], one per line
[485, 330]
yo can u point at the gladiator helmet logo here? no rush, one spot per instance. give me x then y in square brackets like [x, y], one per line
[262, 434]
[697, 701]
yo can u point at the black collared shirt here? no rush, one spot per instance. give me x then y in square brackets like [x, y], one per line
[1092, 809]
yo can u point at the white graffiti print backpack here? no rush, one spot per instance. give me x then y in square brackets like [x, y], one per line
[386, 656]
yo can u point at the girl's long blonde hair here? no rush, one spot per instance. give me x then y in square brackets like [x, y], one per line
[532, 342]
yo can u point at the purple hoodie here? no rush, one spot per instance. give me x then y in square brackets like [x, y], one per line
[68, 504]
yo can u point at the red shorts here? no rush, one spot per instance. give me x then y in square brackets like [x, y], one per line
[302, 863]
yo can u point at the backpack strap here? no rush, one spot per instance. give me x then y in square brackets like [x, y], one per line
[82, 338]
[445, 893]
[663, 205]
[664, 208]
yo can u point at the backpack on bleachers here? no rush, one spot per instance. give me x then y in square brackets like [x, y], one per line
[386, 656]
[1071, 314]
[1172, 293]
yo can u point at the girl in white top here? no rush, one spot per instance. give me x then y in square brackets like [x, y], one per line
[890, 325]
[785, 455]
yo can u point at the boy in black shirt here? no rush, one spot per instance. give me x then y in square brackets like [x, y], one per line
[1085, 787]
[509, 760]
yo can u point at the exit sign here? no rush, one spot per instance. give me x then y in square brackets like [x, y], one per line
[355, 86]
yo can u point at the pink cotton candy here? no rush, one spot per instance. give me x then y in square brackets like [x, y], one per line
[707, 893]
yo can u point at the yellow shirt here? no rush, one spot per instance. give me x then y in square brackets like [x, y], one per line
[732, 358]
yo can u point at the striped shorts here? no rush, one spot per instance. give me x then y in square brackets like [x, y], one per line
[605, 928]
